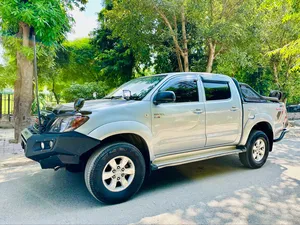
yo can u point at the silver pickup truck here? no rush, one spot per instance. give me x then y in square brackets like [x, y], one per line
[154, 122]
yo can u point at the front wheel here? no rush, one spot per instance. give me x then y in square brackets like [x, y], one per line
[258, 147]
[115, 172]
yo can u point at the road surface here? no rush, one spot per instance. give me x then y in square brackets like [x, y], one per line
[215, 191]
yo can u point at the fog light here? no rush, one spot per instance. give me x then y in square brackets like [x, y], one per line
[51, 144]
[42, 145]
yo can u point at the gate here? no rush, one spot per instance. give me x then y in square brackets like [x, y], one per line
[6, 105]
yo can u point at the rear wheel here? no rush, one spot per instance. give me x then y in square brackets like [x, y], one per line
[258, 147]
[115, 172]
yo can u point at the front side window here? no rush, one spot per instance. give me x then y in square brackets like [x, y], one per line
[216, 90]
[186, 90]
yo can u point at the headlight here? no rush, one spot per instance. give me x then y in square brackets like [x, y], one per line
[67, 123]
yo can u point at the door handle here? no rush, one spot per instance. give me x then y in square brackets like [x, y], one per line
[233, 109]
[197, 111]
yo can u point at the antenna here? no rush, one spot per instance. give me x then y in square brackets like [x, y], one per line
[36, 83]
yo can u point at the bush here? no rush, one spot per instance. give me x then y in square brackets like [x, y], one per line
[42, 103]
[85, 91]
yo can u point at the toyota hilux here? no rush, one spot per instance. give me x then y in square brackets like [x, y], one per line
[154, 122]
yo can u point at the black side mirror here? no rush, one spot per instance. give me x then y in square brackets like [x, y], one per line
[78, 104]
[164, 97]
[276, 94]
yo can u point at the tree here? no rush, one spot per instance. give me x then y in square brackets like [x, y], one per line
[86, 91]
[280, 32]
[22, 18]
[221, 23]
[147, 23]
[113, 58]
[217, 23]
[72, 62]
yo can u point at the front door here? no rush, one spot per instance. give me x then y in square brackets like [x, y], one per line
[179, 126]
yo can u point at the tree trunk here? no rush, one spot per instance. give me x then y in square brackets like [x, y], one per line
[185, 54]
[23, 86]
[178, 50]
[57, 99]
[179, 60]
[211, 56]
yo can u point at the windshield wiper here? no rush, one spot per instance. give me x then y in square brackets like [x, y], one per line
[114, 97]
[119, 97]
[135, 97]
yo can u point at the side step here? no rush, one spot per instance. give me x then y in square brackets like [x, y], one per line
[193, 156]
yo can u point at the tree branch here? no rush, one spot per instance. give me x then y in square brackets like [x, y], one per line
[220, 51]
[168, 24]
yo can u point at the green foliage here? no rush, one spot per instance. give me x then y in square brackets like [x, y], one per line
[42, 104]
[114, 59]
[48, 18]
[85, 91]
[76, 61]
[72, 62]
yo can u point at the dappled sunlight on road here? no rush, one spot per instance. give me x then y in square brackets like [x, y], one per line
[275, 204]
[178, 217]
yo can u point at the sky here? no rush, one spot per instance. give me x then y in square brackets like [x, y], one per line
[86, 21]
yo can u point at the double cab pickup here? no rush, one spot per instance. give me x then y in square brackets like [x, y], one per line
[154, 122]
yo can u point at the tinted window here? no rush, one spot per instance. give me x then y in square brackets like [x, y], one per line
[216, 91]
[186, 90]
[248, 93]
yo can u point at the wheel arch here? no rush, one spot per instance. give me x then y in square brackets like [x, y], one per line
[265, 127]
[131, 132]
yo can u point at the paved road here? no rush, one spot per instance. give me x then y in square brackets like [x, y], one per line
[216, 191]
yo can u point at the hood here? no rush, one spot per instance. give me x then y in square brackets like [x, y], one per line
[91, 105]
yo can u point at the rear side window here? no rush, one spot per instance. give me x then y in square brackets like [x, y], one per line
[249, 94]
[186, 90]
[216, 90]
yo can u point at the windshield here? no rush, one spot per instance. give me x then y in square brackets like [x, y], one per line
[139, 87]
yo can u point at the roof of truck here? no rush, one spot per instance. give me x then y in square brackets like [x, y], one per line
[209, 76]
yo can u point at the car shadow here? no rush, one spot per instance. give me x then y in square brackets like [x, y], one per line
[179, 175]
[61, 188]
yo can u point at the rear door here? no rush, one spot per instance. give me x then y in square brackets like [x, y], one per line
[223, 112]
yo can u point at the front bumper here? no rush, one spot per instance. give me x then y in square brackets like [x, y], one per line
[56, 149]
[284, 131]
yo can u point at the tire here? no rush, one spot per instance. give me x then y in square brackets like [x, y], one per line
[251, 158]
[106, 162]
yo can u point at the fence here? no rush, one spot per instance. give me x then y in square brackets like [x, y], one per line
[6, 105]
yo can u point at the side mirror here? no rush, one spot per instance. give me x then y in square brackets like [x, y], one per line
[164, 97]
[276, 94]
[126, 94]
[78, 104]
